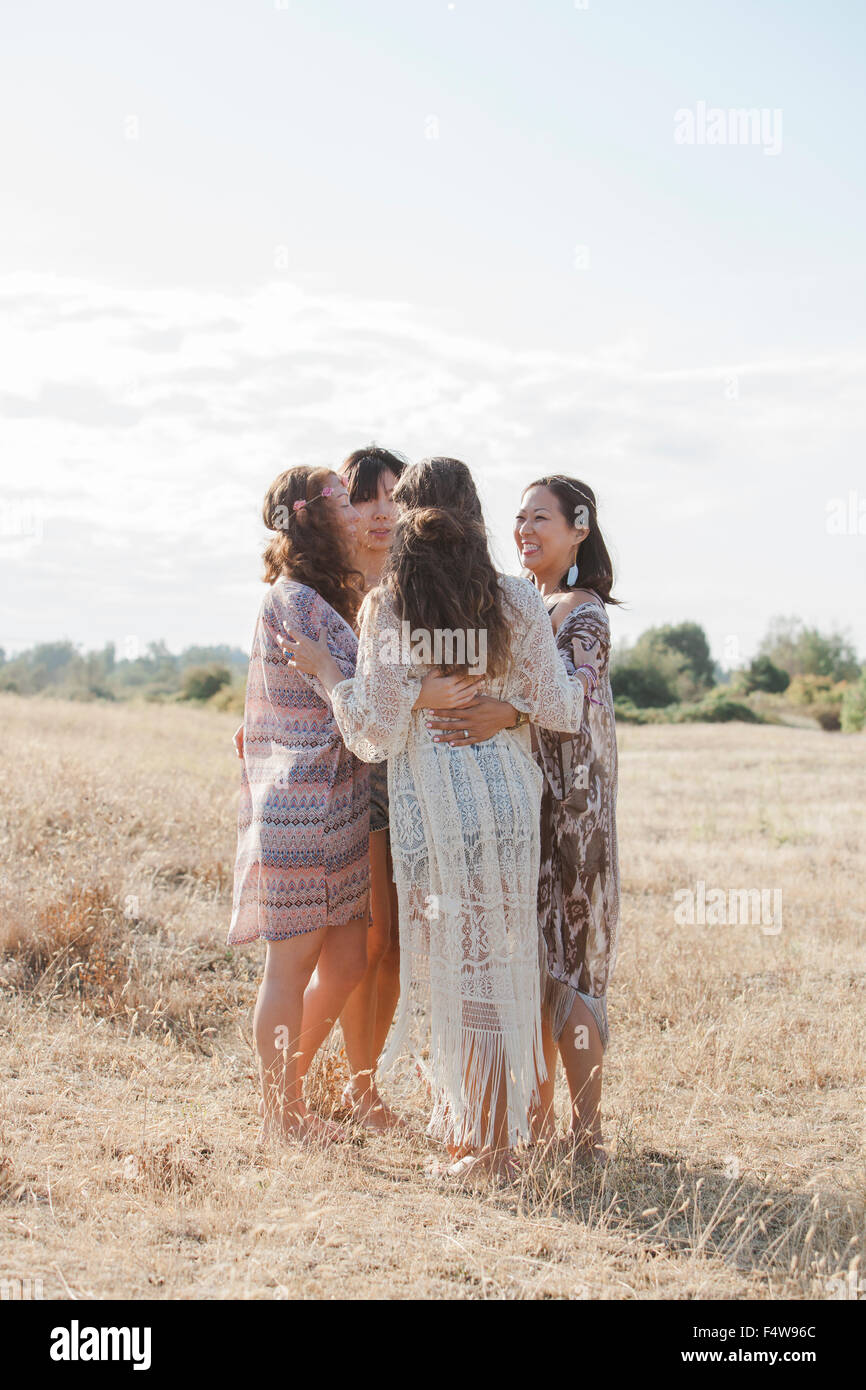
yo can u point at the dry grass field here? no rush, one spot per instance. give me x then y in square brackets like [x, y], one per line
[734, 1083]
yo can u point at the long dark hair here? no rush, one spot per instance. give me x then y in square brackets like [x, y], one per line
[595, 567]
[362, 470]
[308, 545]
[439, 568]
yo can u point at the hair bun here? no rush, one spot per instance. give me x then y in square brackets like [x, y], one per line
[436, 524]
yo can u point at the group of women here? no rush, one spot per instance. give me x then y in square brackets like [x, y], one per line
[439, 842]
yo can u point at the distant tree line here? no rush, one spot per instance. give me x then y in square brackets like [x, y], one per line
[667, 675]
[61, 669]
[669, 669]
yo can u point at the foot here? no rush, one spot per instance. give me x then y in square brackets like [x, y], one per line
[300, 1126]
[367, 1108]
[544, 1133]
[473, 1167]
[588, 1146]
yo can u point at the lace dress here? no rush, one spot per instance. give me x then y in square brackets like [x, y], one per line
[465, 843]
[303, 824]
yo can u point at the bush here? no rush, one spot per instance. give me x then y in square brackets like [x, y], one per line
[804, 651]
[627, 712]
[203, 682]
[762, 674]
[853, 713]
[715, 710]
[642, 685]
[689, 642]
[829, 716]
[230, 697]
[811, 690]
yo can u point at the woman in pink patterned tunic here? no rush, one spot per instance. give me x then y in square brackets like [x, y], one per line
[302, 869]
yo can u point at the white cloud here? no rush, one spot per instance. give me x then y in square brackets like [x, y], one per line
[147, 424]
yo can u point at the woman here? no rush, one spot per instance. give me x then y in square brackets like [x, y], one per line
[302, 869]
[561, 545]
[464, 820]
[370, 476]
[301, 875]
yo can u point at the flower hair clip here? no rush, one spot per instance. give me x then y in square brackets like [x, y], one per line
[302, 501]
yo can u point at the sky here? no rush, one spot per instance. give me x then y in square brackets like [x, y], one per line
[238, 236]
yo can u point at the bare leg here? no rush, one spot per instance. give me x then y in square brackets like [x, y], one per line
[496, 1158]
[277, 1026]
[340, 966]
[388, 980]
[583, 1058]
[358, 1018]
[543, 1119]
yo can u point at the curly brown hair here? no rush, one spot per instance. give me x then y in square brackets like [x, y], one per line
[308, 545]
[439, 568]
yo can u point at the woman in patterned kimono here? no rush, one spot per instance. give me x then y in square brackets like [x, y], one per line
[301, 874]
[561, 545]
[464, 820]
[302, 869]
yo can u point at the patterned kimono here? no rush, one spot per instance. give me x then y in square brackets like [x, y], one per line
[578, 886]
[303, 824]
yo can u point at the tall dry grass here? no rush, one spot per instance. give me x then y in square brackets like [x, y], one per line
[734, 1084]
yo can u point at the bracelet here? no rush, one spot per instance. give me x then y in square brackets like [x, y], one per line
[522, 718]
[592, 680]
[591, 674]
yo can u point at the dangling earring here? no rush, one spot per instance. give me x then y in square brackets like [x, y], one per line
[571, 577]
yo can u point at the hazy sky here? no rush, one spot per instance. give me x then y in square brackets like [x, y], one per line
[242, 235]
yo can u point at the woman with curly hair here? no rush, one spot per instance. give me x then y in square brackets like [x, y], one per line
[302, 868]
[464, 820]
[301, 874]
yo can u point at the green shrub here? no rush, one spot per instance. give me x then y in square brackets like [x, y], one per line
[203, 682]
[853, 714]
[230, 697]
[627, 712]
[761, 674]
[812, 690]
[715, 710]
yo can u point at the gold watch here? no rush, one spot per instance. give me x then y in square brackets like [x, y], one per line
[522, 718]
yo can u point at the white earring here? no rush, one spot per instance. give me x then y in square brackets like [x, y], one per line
[571, 577]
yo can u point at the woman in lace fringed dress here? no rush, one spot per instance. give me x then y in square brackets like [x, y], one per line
[464, 821]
